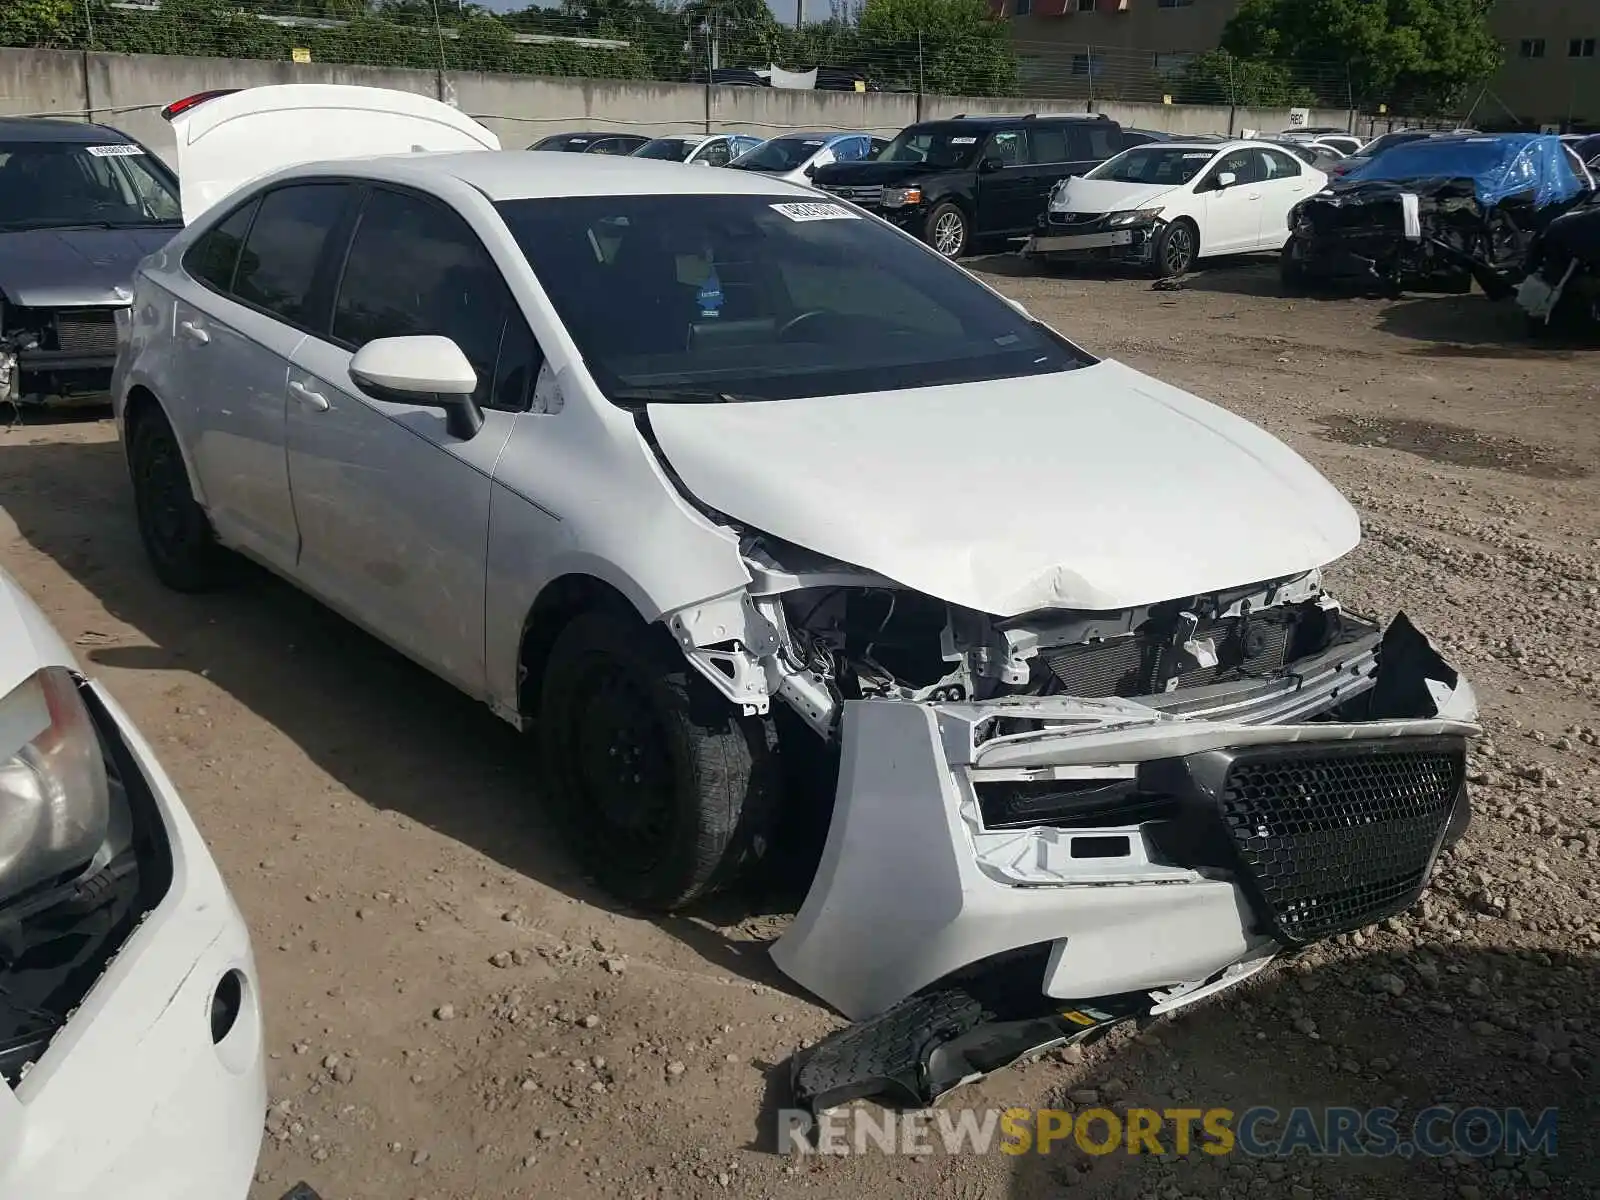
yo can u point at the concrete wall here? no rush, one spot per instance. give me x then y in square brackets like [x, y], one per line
[128, 92]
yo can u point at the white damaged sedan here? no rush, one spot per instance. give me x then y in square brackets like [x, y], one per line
[130, 1028]
[697, 476]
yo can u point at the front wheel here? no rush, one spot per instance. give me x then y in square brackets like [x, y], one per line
[1177, 246]
[663, 790]
[948, 230]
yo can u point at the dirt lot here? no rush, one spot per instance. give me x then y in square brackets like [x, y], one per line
[453, 1012]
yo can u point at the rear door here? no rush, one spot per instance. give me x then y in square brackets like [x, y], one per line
[1287, 183]
[394, 510]
[237, 330]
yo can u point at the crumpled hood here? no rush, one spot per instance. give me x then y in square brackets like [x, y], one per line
[27, 642]
[1106, 195]
[58, 268]
[1099, 488]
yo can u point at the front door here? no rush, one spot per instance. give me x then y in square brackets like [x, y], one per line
[393, 509]
[1005, 196]
[1233, 210]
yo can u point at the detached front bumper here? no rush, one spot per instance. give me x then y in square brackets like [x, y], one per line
[1154, 847]
[155, 1088]
[1092, 240]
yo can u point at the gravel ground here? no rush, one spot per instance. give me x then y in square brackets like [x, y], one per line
[453, 1012]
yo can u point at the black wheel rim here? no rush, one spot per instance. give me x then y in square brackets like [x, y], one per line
[163, 495]
[1180, 245]
[620, 766]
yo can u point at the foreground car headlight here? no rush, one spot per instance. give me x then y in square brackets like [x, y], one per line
[55, 802]
[898, 197]
[1135, 216]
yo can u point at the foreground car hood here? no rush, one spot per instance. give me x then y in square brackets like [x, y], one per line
[59, 268]
[1099, 488]
[1106, 195]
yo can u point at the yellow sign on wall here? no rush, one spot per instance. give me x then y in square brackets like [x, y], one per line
[300, 54]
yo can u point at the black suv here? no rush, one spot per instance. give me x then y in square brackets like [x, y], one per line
[959, 182]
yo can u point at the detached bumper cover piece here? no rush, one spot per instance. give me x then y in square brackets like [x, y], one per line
[155, 1088]
[1161, 855]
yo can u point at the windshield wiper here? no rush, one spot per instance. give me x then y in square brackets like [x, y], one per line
[32, 226]
[679, 395]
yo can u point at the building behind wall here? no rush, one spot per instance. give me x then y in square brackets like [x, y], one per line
[1552, 70]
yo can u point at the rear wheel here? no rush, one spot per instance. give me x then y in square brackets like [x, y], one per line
[1177, 246]
[176, 534]
[948, 230]
[663, 790]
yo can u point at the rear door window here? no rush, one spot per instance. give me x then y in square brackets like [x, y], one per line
[278, 264]
[1048, 144]
[214, 256]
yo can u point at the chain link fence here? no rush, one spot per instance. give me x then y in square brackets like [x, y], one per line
[720, 41]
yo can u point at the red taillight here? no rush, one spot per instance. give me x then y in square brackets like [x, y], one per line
[178, 107]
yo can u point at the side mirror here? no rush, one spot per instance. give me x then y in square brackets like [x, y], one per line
[811, 171]
[990, 165]
[1226, 180]
[702, 162]
[421, 369]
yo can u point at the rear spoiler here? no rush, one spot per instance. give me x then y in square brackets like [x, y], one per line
[179, 107]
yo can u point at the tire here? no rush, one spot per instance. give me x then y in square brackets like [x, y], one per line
[177, 537]
[1177, 246]
[1292, 266]
[948, 231]
[663, 791]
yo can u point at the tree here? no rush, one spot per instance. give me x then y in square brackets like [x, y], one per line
[957, 47]
[1217, 77]
[45, 23]
[1418, 54]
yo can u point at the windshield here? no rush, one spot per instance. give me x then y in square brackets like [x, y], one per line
[1388, 142]
[670, 149]
[780, 154]
[717, 297]
[1453, 157]
[1170, 165]
[52, 184]
[949, 148]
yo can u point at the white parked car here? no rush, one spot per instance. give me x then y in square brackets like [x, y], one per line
[701, 149]
[130, 1023]
[692, 474]
[796, 157]
[1168, 204]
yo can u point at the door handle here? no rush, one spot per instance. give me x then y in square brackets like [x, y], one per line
[312, 400]
[193, 332]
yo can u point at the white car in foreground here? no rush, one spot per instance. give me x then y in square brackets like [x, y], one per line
[1167, 204]
[696, 474]
[130, 1024]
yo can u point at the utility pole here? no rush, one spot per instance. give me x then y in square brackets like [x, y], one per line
[799, 14]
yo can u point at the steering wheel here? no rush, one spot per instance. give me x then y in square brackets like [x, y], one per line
[810, 314]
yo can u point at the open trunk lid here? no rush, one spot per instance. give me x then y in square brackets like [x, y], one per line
[227, 139]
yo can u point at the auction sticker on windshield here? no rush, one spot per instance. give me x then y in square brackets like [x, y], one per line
[808, 211]
[116, 150]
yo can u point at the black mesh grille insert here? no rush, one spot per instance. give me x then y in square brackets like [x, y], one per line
[1338, 838]
[86, 331]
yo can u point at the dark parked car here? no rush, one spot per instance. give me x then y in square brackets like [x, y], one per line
[591, 143]
[966, 180]
[80, 205]
[1436, 214]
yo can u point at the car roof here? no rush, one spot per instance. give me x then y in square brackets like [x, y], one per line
[46, 129]
[983, 120]
[515, 175]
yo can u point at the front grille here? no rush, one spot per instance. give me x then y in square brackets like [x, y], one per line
[867, 195]
[1335, 838]
[1075, 223]
[86, 331]
[1143, 665]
